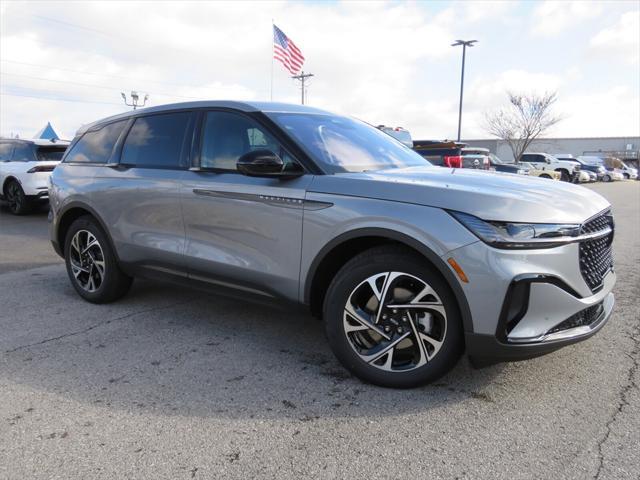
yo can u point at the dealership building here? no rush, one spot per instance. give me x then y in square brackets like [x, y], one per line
[625, 148]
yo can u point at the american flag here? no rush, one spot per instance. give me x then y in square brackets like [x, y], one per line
[286, 52]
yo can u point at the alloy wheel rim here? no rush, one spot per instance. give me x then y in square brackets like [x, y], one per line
[395, 321]
[87, 261]
[13, 197]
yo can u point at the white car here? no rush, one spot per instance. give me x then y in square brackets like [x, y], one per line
[25, 167]
[628, 172]
[568, 169]
[586, 176]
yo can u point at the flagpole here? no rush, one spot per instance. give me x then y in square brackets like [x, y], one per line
[271, 88]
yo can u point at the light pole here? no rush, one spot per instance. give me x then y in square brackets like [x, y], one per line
[465, 44]
[134, 100]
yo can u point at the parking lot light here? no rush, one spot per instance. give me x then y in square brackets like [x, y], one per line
[465, 44]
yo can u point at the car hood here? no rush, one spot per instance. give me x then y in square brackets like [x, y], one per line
[488, 195]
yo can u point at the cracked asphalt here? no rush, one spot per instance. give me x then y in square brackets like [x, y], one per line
[171, 383]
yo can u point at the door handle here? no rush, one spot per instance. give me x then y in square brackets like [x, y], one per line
[119, 166]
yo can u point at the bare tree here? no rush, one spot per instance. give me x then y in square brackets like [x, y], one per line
[526, 118]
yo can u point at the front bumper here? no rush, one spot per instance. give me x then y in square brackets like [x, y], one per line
[489, 349]
[530, 302]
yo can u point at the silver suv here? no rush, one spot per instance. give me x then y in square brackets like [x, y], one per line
[406, 263]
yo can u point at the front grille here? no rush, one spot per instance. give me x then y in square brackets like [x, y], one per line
[596, 257]
[580, 319]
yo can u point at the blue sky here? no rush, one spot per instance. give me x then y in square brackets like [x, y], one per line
[384, 62]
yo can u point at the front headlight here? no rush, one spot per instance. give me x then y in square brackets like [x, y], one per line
[519, 235]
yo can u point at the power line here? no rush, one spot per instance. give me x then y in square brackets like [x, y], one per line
[74, 25]
[51, 67]
[39, 97]
[93, 85]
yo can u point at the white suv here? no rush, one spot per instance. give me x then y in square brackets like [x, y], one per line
[25, 167]
[568, 169]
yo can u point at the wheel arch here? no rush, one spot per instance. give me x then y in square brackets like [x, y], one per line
[333, 255]
[8, 179]
[69, 214]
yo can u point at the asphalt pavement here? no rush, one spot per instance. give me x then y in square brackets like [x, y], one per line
[171, 383]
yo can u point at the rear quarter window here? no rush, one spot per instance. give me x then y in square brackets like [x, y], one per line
[96, 146]
[23, 152]
[158, 141]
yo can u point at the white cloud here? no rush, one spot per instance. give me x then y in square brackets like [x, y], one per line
[384, 62]
[553, 17]
[621, 40]
[582, 113]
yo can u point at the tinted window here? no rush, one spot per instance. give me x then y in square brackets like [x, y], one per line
[50, 153]
[532, 158]
[22, 152]
[158, 141]
[343, 144]
[96, 146]
[5, 151]
[228, 136]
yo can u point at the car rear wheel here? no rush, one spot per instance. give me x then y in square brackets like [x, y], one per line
[392, 320]
[606, 178]
[91, 263]
[564, 175]
[18, 202]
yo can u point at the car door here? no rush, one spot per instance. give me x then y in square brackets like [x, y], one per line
[242, 232]
[138, 193]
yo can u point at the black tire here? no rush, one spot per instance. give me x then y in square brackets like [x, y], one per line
[114, 283]
[626, 176]
[606, 178]
[14, 195]
[564, 175]
[351, 276]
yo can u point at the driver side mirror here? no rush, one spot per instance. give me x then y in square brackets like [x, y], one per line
[263, 163]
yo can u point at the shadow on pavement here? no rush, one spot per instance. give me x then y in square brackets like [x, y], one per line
[173, 351]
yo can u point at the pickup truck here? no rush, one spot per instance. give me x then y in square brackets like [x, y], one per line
[569, 170]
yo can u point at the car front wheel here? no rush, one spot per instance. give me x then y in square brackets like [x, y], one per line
[392, 320]
[91, 263]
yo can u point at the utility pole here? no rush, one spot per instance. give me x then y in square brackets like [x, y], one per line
[134, 100]
[302, 78]
[465, 44]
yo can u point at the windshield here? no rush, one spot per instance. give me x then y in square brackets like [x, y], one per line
[342, 144]
[51, 153]
[590, 161]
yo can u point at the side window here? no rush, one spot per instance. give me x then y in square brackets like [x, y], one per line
[5, 152]
[158, 141]
[228, 136]
[23, 152]
[529, 158]
[96, 146]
